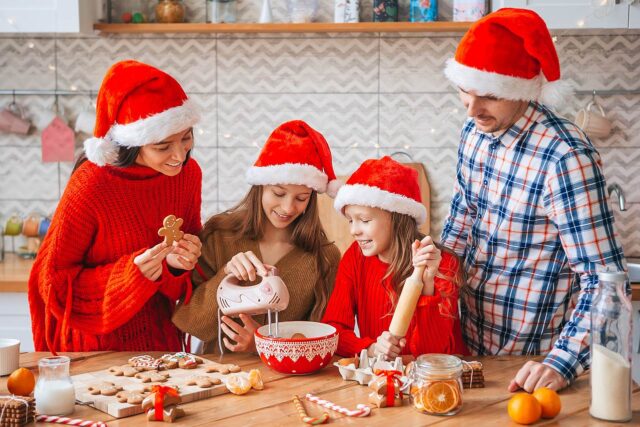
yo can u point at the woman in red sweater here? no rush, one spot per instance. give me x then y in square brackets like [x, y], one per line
[382, 202]
[103, 278]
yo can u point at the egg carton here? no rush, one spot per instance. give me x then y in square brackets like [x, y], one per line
[364, 373]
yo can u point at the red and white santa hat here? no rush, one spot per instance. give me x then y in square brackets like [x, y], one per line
[295, 153]
[386, 184]
[509, 54]
[137, 105]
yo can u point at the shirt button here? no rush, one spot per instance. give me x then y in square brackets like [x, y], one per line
[485, 182]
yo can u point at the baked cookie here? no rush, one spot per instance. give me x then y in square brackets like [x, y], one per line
[169, 399]
[124, 370]
[135, 397]
[170, 229]
[223, 368]
[169, 414]
[203, 381]
[104, 388]
[181, 360]
[153, 376]
[146, 363]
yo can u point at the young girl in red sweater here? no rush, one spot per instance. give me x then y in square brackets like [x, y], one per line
[103, 279]
[382, 202]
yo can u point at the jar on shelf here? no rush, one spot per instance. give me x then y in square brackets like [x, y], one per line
[129, 11]
[54, 393]
[301, 11]
[169, 11]
[219, 11]
[436, 384]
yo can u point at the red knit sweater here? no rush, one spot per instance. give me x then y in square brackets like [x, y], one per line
[85, 293]
[361, 293]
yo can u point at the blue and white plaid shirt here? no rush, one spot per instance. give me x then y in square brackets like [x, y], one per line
[530, 218]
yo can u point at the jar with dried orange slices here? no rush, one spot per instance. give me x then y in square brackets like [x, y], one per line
[436, 384]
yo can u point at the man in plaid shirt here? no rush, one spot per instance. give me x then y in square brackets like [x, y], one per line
[529, 214]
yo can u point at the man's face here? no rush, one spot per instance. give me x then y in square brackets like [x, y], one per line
[492, 114]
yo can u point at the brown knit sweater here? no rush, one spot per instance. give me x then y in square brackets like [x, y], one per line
[297, 269]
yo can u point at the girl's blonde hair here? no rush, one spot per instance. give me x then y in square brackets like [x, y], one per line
[404, 229]
[248, 220]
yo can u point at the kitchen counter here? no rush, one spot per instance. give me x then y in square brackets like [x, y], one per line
[272, 406]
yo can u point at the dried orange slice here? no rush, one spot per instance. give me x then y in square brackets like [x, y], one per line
[440, 397]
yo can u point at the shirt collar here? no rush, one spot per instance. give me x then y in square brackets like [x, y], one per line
[510, 136]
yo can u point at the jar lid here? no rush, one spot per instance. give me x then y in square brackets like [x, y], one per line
[439, 363]
[612, 276]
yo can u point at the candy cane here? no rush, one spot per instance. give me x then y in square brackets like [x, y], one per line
[69, 421]
[362, 411]
[305, 417]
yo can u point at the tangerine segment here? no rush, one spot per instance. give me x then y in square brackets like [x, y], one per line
[440, 397]
[238, 383]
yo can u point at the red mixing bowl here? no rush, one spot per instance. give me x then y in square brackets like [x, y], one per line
[297, 355]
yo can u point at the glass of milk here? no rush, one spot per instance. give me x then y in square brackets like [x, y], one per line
[611, 348]
[55, 394]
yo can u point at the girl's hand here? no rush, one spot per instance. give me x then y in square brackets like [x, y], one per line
[388, 345]
[150, 261]
[245, 265]
[243, 335]
[185, 253]
[426, 253]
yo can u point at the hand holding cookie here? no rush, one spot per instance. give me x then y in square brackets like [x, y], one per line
[185, 253]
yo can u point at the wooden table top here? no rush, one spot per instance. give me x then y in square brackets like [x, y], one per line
[272, 406]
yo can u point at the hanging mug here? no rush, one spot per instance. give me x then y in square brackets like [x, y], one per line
[44, 226]
[31, 226]
[12, 120]
[13, 226]
[593, 124]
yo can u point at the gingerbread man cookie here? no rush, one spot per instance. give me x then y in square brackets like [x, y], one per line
[135, 397]
[124, 370]
[223, 368]
[153, 376]
[171, 229]
[104, 388]
[203, 381]
[146, 363]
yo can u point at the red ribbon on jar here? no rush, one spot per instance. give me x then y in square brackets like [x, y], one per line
[393, 378]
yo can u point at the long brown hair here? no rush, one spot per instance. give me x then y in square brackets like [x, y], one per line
[405, 231]
[248, 220]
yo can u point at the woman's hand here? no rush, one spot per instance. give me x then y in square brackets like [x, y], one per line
[150, 261]
[388, 345]
[427, 254]
[185, 253]
[245, 265]
[243, 335]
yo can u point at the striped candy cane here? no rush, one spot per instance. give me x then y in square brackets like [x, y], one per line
[362, 411]
[69, 421]
[305, 417]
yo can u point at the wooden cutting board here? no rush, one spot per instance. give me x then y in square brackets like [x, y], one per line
[178, 377]
[337, 227]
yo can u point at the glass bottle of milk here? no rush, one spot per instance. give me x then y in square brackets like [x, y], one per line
[611, 349]
[54, 393]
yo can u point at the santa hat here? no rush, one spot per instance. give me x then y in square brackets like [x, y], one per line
[295, 153]
[509, 54]
[137, 105]
[386, 184]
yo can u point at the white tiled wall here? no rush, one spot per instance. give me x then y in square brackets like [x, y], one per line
[368, 94]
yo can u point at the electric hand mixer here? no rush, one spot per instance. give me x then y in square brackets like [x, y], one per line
[270, 295]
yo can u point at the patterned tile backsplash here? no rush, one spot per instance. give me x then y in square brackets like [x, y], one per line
[369, 94]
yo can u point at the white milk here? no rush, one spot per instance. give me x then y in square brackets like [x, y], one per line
[55, 397]
[610, 385]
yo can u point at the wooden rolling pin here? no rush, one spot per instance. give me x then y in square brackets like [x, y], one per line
[407, 303]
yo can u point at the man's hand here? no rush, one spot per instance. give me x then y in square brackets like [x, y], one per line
[534, 375]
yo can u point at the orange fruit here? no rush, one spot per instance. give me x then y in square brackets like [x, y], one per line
[21, 382]
[549, 400]
[440, 397]
[523, 408]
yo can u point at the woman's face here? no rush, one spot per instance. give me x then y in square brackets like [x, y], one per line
[282, 204]
[371, 228]
[167, 156]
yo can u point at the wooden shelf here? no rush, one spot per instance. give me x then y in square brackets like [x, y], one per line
[314, 27]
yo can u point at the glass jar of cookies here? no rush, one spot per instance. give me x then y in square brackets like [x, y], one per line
[169, 11]
[436, 384]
